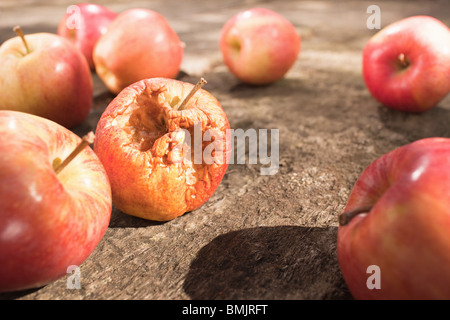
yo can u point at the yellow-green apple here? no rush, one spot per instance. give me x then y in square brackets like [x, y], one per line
[55, 204]
[83, 24]
[259, 46]
[139, 44]
[165, 147]
[406, 65]
[46, 75]
[393, 240]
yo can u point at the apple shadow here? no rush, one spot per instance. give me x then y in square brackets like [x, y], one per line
[14, 295]
[120, 219]
[432, 123]
[282, 262]
[223, 83]
[240, 86]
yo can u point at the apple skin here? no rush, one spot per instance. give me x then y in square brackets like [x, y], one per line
[139, 44]
[47, 221]
[94, 20]
[259, 46]
[135, 140]
[406, 231]
[52, 81]
[425, 43]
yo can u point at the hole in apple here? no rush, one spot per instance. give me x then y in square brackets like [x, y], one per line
[147, 118]
[147, 123]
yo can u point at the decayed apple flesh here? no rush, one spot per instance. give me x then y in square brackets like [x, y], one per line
[141, 139]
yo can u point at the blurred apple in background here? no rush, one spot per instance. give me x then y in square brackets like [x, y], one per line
[406, 65]
[259, 46]
[46, 75]
[51, 216]
[139, 44]
[83, 24]
[156, 171]
[397, 220]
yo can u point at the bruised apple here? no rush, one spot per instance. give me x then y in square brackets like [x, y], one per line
[165, 146]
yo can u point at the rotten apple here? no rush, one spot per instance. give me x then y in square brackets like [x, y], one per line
[406, 65]
[55, 200]
[396, 223]
[165, 146]
[259, 46]
[46, 75]
[83, 24]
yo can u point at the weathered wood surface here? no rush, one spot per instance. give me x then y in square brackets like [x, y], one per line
[258, 237]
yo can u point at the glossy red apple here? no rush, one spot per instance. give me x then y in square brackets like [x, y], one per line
[259, 46]
[139, 44]
[406, 65]
[156, 172]
[83, 24]
[398, 219]
[46, 75]
[52, 215]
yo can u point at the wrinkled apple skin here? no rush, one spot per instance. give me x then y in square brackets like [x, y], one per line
[406, 233]
[93, 20]
[52, 81]
[259, 46]
[425, 43]
[135, 142]
[47, 221]
[139, 44]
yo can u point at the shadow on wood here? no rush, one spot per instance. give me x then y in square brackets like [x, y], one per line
[431, 123]
[283, 262]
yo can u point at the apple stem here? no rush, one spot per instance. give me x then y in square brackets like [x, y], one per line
[197, 87]
[403, 62]
[345, 217]
[85, 141]
[19, 32]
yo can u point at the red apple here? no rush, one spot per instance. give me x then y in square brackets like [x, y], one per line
[259, 46]
[139, 44]
[395, 229]
[46, 75]
[142, 138]
[83, 24]
[406, 65]
[48, 220]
